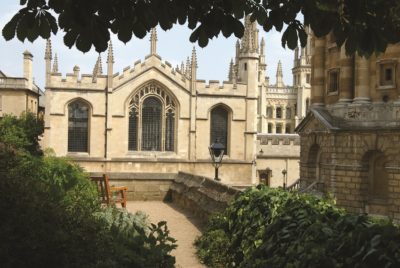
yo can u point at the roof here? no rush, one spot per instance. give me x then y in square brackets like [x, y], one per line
[372, 117]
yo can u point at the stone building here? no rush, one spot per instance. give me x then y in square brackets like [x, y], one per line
[350, 139]
[20, 94]
[154, 120]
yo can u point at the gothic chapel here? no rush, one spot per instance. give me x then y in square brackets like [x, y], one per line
[154, 118]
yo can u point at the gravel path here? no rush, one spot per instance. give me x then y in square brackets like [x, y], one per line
[183, 226]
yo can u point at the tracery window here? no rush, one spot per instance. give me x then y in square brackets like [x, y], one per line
[219, 126]
[78, 131]
[152, 120]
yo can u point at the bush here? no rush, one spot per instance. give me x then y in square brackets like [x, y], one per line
[22, 133]
[51, 217]
[267, 227]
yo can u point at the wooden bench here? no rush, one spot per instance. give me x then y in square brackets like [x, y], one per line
[107, 192]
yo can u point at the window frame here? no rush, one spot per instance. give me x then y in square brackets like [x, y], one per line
[381, 67]
[329, 89]
[227, 134]
[88, 106]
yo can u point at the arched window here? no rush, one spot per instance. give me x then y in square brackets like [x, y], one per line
[152, 120]
[78, 127]
[278, 112]
[219, 126]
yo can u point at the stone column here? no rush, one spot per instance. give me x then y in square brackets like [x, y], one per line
[283, 128]
[273, 112]
[318, 72]
[346, 77]
[362, 94]
[283, 112]
[273, 127]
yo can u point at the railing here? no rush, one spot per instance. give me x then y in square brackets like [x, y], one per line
[294, 186]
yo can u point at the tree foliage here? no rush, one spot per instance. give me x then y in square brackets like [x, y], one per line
[364, 26]
[266, 227]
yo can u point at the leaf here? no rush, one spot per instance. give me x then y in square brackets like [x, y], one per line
[70, 38]
[11, 27]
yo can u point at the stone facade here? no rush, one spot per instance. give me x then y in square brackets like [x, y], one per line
[20, 94]
[278, 153]
[350, 138]
[112, 99]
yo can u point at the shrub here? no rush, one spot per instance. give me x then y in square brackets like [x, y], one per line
[51, 217]
[266, 227]
[22, 133]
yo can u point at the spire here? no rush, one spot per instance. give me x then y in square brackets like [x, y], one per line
[48, 54]
[231, 72]
[262, 46]
[250, 37]
[110, 66]
[193, 71]
[279, 75]
[194, 58]
[55, 64]
[187, 69]
[153, 42]
[110, 56]
[98, 68]
[183, 67]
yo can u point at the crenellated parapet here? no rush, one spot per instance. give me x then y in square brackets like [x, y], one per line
[214, 87]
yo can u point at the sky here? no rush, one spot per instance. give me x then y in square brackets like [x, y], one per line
[173, 46]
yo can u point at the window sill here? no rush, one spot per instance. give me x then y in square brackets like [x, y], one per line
[386, 87]
[147, 154]
[77, 154]
[332, 93]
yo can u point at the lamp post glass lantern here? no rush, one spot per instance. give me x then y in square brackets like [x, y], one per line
[217, 150]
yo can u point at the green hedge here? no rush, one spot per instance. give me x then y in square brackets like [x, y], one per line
[267, 227]
[51, 217]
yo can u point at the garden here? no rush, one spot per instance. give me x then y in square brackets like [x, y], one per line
[51, 215]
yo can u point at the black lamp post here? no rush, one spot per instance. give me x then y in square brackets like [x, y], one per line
[217, 153]
[284, 172]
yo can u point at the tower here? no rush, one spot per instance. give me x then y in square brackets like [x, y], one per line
[247, 69]
[302, 79]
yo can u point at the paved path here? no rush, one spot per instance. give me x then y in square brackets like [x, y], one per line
[183, 226]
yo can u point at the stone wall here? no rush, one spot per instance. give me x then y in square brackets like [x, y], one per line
[201, 195]
[143, 186]
[340, 163]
